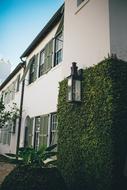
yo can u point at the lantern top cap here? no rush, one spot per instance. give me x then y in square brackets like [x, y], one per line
[74, 71]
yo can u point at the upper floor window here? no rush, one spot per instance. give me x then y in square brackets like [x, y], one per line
[33, 68]
[58, 49]
[79, 2]
[53, 135]
[41, 64]
[46, 57]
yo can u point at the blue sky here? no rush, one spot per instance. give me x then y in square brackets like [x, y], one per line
[20, 22]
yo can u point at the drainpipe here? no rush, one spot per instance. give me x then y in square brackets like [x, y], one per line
[20, 112]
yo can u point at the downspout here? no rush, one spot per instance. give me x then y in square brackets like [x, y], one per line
[20, 112]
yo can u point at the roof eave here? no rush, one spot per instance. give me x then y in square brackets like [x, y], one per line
[14, 72]
[44, 32]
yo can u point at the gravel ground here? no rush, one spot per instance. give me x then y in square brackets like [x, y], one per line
[5, 168]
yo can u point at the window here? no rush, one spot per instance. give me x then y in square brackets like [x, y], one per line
[79, 2]
[46, 58]
[53, 135]
[32, 70]
[37, 132]
[32, 65]
[30, 133]
[42, 61]
[28, 136]
[58, 49]
[9, 93]
[6, 134]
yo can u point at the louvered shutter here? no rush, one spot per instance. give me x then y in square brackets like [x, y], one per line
[30, 133]
[48, 56]
[50, 53]
[61, 26]
[27, 69]
[35, 66]
[43, 130]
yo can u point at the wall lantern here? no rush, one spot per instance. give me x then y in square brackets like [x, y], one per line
[74, 84]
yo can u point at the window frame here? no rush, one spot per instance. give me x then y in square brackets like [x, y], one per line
[56, 52]
[37, 133]
[80, 6]
[79, 2]
[54, 131]
[41, 65]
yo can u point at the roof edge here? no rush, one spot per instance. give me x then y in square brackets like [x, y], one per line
[47, 28]
[12, 74]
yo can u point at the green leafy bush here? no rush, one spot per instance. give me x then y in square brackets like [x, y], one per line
[44, 157]
[93, 135]
[33, 178]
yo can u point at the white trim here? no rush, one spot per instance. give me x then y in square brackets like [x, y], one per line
[49, 129]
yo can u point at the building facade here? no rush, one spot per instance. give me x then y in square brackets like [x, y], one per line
[10, 91]
[82, 31]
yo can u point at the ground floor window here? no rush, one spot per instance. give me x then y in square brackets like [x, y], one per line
[41, 131]
[53, 135]
[5, 137]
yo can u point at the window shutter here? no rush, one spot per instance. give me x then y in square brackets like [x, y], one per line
[27, 69]
[48, 56]
[18, 82]
[43, 130]
[30, 132]
[61, 26]
[35, 66]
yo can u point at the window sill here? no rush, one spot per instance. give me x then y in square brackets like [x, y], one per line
[51, 70]
[44, 75]
[81, 6]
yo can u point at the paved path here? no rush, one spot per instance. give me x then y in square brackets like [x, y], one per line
[5, 169]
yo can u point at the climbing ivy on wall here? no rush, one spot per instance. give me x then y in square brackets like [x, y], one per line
[92, 143]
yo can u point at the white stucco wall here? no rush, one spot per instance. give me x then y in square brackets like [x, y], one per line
[41, 96]
[86, 33]
[118, 28]
[4, 148]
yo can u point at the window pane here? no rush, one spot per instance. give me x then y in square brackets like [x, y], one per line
[53, 138]
[79, 2]
[58, 49]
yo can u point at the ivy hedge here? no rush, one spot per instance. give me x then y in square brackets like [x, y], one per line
[92, 143]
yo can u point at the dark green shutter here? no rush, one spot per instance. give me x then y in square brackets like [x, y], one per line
[30, 132]
[27, 69]
[48, 56]
[17, 81]
[43, 130]
[61, 26]
[35, 66]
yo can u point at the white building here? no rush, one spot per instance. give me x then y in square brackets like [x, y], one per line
[10, 90]
[82, 31]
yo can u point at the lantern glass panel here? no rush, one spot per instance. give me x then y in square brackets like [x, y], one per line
[77, 90]
[70, 89]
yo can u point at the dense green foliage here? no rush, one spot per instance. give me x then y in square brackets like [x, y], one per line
[33, 178]
[92, 143]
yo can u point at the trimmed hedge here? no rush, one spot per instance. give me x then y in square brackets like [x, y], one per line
[33, 178]
[92, 143]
